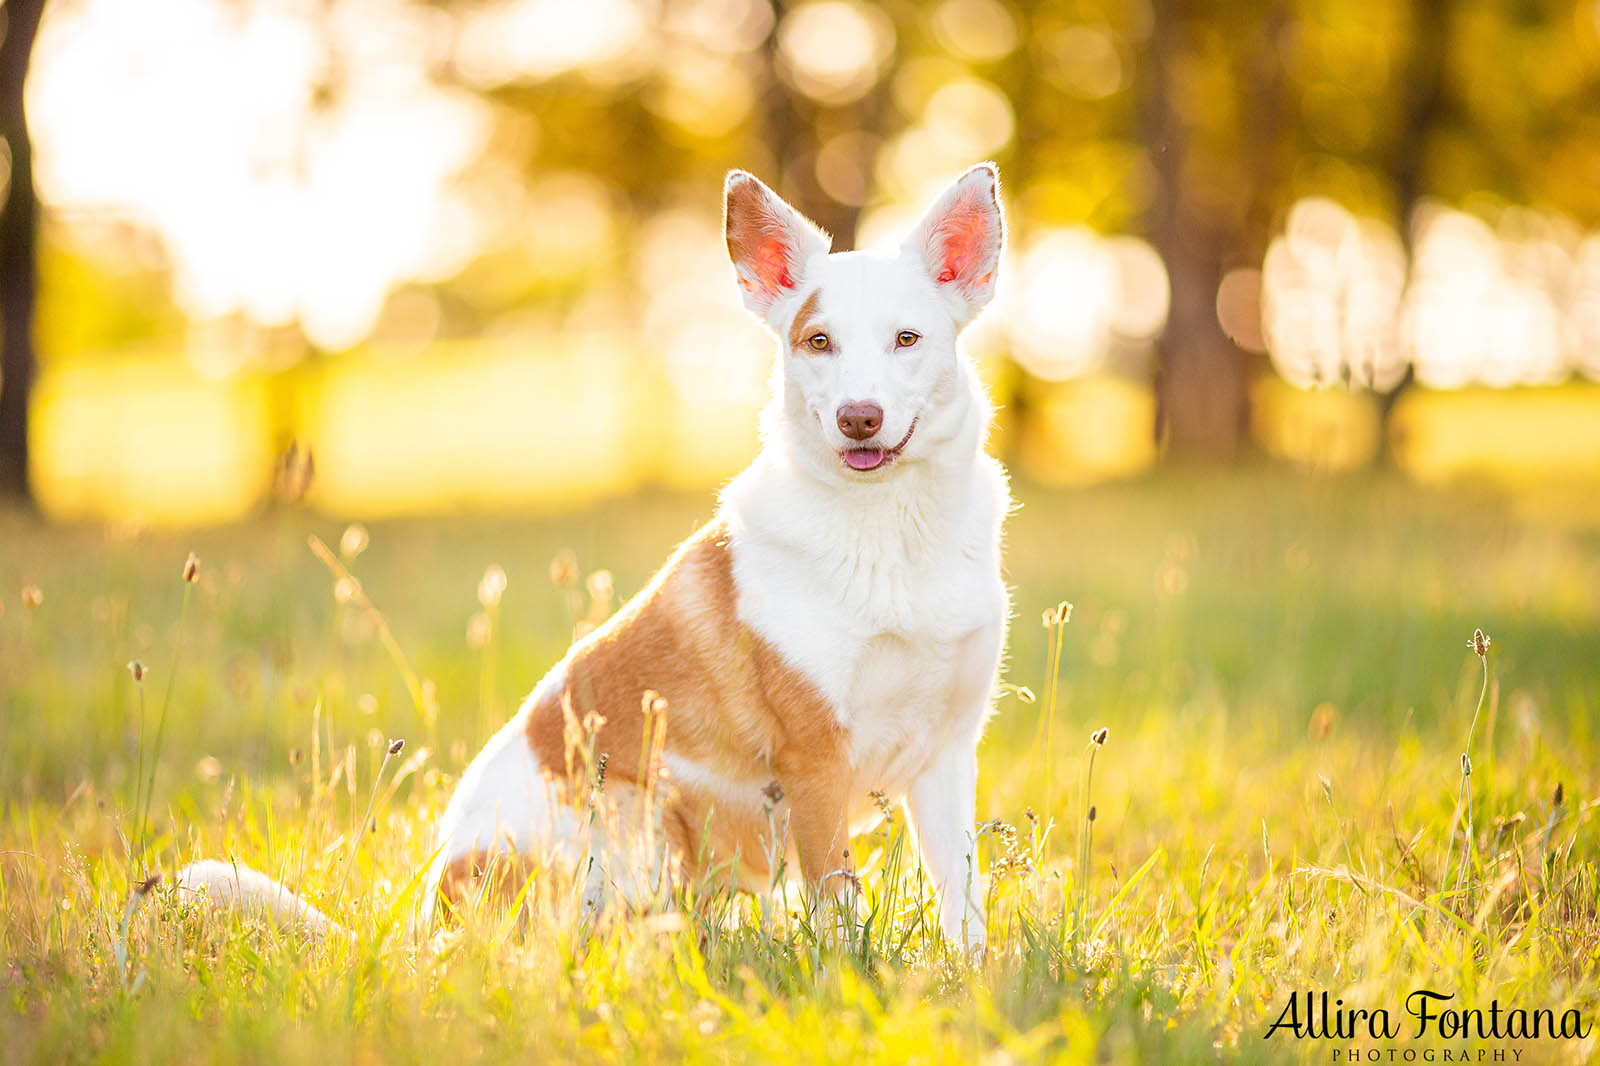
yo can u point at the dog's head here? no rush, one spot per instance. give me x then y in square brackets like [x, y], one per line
[867, 340]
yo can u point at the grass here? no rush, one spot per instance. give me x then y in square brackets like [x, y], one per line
[1280, 663]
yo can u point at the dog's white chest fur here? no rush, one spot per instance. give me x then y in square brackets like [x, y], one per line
[889, 601]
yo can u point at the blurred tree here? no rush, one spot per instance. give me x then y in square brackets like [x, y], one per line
[1423, 106]
[811, 138]
[1213, 122]
[18, 230]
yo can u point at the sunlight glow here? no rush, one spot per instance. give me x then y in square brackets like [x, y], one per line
[151, 441]
[206, 124]
[979, 30]
[715, 357]
[1331, 287]
[1483, 303]
[1074, 298]
[970, 117]
[515, 40]
[833, 50]
[1511, 300]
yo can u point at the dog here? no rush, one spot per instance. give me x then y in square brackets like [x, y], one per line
[830, 639]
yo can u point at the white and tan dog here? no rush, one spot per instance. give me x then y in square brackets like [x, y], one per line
[836, 628]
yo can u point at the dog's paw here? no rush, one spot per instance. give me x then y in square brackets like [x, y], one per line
[969, 936]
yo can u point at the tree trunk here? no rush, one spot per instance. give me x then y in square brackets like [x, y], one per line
[794, 127]
[1200, 382]
[18, 225]
[1423, 110]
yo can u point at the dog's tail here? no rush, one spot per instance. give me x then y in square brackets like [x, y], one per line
[230, 886]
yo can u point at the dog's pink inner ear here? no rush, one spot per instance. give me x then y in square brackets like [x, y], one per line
[759, 242]
[769, 262]
[965, 240]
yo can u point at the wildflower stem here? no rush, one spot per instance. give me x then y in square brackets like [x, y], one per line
[1466, 777]
[1085, 841]
[359, 598]
[138, 778]
[1053, 675]
[161, 721]
[361, 830]
[1349, 856]
[1480, 646]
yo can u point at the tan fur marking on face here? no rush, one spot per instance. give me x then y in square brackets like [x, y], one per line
[734, 707]
[805, 324]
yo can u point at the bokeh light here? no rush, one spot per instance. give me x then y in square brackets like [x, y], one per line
[1076, 297]
[1484, 303]
[517, 40]
[286, 208]
[257, 193]
[1330, 288]
[834, 50]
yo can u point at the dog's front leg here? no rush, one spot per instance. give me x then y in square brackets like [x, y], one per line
[817, 792]
[942, 804]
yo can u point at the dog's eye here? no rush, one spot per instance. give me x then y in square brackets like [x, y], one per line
[819, 342]
[907, 338]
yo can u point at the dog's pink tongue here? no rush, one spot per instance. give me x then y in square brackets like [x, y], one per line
[864, 458]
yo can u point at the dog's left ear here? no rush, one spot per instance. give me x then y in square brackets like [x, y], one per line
[959, 241]
[769, 242]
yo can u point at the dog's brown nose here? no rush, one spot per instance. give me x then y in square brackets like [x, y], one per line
[858, 421]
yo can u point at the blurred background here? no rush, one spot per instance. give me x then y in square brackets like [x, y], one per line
[392, 257]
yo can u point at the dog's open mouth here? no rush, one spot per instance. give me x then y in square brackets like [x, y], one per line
[873, 457]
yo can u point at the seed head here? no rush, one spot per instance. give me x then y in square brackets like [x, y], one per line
[32, 595]
[191, 568]
[136, 668]
[1479, 643]
[1092, 812]
[354, 541]
[1059, 615]
[1560, 796]
[1098, 737]
[1025, 694]
[600, 585]
[479, 630]
[144, 887]
[397, 745]
[773, 792]
[564, 569]
[492, 586]
[1466, 765]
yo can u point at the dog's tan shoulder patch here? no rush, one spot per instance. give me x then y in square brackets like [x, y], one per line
[734, 706]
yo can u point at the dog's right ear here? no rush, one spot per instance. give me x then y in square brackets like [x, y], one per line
[959, 240]
[769, 242]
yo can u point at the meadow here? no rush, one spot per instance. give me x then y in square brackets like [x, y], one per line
[1279, 805]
